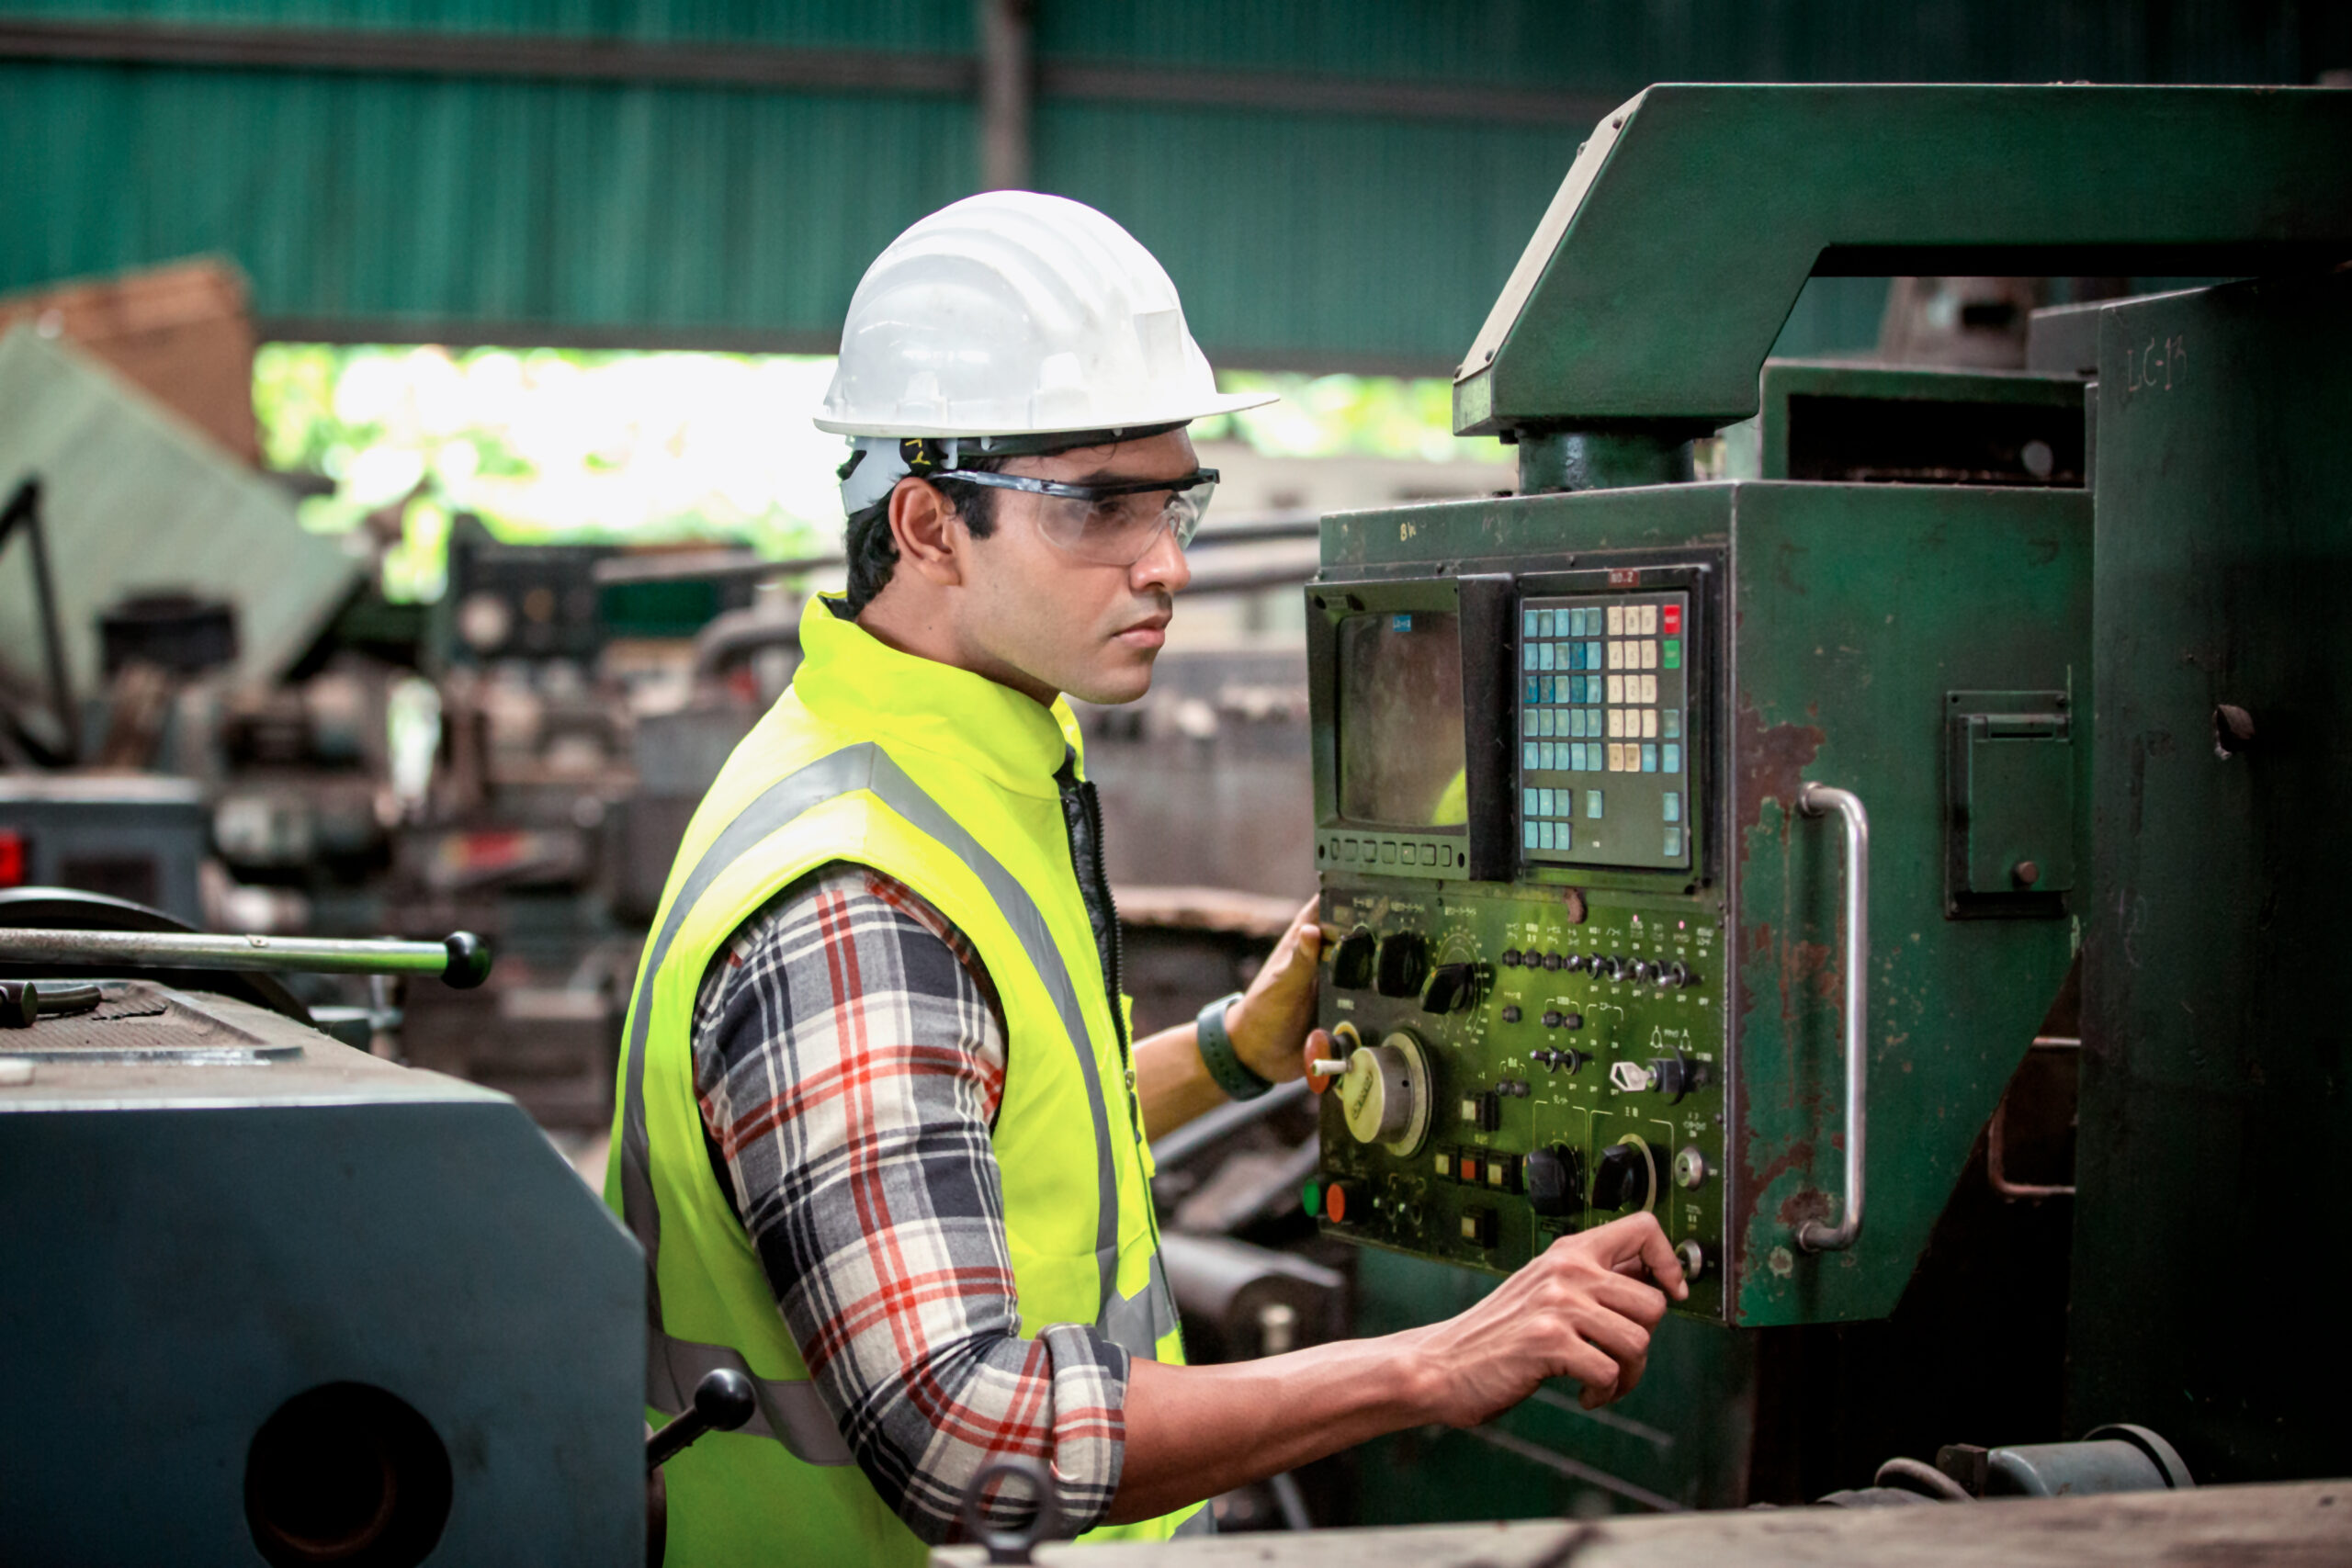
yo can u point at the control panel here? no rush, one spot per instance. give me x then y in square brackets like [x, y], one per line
[1518, 1067]
[1536, 1043]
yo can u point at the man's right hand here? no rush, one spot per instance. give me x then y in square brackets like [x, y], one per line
[1582, 1310]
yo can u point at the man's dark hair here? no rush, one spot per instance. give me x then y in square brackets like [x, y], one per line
[874, 553]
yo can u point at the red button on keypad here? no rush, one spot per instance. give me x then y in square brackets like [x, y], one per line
[1669, 619]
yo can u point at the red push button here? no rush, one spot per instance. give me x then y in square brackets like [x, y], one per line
[14, 859]
[1669, 619]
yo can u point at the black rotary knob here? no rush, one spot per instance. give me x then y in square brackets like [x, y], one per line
[1351, 961]
[1621, 1180]
[1402, 964]
[1555, 1178]
[1452, 986]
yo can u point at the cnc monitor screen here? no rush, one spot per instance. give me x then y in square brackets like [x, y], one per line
[1400, 719]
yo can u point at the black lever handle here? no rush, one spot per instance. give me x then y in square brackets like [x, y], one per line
[723, 1401]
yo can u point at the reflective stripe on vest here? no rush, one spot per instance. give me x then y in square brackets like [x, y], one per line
[789, 1408]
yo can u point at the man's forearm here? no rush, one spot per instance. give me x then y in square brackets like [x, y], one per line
[1172, 1081]
[1193, 1432]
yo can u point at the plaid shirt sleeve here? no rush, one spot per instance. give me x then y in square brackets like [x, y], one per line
[849, 1056]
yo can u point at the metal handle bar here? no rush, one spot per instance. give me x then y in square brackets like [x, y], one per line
[462, 960]
[1820, 800]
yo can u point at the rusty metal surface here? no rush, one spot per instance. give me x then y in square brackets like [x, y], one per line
[1858, 609]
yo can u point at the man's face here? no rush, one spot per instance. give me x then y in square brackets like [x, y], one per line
[1058, 624]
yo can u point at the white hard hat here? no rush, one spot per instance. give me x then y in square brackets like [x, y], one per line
[1011, 313]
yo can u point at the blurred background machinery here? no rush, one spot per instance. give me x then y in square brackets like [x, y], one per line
[244, 683]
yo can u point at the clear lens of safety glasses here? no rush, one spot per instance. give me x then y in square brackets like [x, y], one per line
[1120, 530]
[1109, 525]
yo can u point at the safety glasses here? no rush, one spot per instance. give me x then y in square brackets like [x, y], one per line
[1109, 525]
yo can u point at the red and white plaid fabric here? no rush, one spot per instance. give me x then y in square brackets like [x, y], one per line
[849, 1056]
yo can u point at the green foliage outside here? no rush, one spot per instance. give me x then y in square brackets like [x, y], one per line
[650, 448]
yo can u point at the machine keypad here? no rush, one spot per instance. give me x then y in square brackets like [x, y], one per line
[1625, 720]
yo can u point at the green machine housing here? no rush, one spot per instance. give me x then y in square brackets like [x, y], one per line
[1719, 848]
[1591, 958]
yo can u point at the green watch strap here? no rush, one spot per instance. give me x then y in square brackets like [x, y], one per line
[1224, 1064]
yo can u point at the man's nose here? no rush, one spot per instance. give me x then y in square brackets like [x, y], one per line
[1164, 566]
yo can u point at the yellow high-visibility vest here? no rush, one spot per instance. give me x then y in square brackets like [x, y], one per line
[944, 780]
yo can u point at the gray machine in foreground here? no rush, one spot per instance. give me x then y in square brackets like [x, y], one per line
[269, 1299]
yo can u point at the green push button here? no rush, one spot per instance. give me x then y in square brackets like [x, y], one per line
[1670, 656]
[1310, 1198]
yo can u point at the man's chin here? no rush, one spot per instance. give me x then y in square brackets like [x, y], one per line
[1111, 688]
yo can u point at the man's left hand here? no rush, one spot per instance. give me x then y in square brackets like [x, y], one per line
[1268, 1024]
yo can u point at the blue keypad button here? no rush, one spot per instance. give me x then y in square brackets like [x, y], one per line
[1527, 654]
[1563, 836]
[1529, 620]
[1547, 749]
[1545, 659]
[1543, 835]
[1592, 803]
[1528, 758]
[1671, 802]
[1529, 796]
[1531, 835]
[1649, 759]
[1669, 724]
[1674, 844]
[1673, 764]
[1592, 660]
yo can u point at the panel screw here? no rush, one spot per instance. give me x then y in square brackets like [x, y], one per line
[2027, 873]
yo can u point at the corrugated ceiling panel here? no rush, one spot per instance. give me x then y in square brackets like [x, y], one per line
[1611, 46]
[571, 211]
[1298, 242]
[570, 207]
[910, 24]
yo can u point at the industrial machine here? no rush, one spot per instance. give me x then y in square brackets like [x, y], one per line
[1719, 850]
[271, 1298]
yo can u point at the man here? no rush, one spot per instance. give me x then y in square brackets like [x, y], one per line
[883, 1130]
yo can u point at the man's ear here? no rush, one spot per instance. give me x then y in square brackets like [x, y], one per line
[930, 537]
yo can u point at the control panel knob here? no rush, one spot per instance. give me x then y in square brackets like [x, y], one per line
[1452, 986]
[1401, 964]
[1694, 1259]
[1555, 1178]
[1385, 1094]
[1510, 958]
[1338, 1202]
[1690, 1167]
[1622, 1178]
[1351, 959]
[1675, 1077]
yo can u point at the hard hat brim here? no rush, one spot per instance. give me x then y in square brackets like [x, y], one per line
[1221, 403]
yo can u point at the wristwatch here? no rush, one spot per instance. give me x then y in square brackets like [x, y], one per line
[1224, 1064]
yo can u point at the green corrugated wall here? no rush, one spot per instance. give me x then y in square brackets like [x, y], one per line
[562, 211]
